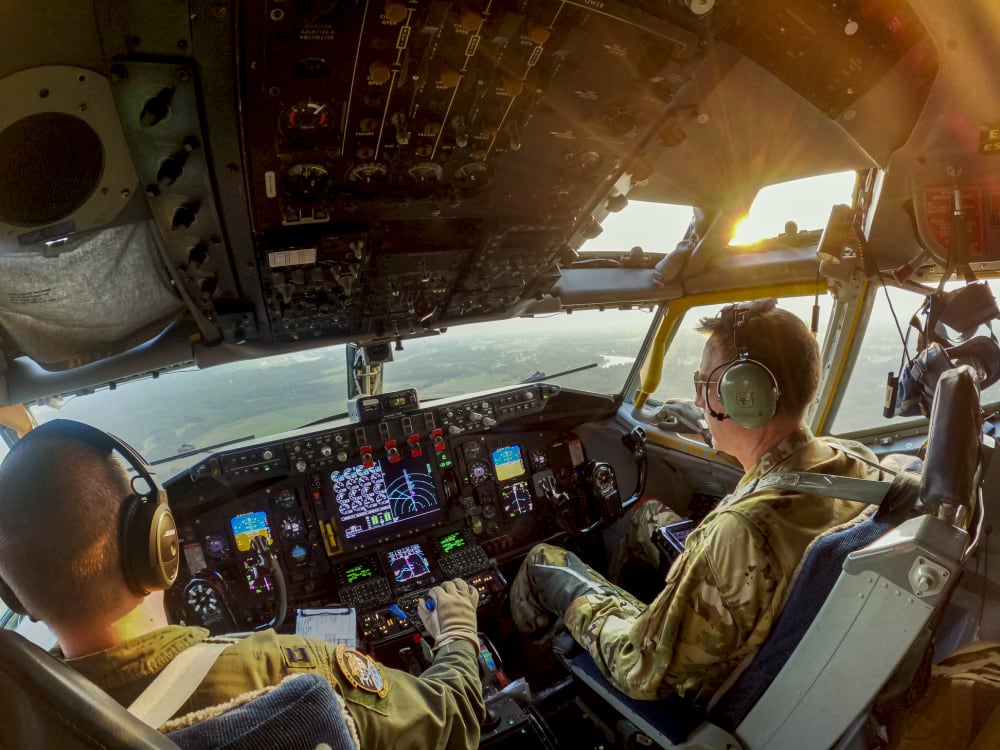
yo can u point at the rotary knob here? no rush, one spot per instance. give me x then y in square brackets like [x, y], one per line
[326, 451]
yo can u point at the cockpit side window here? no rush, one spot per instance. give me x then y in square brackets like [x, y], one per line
[684, 353]
[881, 353]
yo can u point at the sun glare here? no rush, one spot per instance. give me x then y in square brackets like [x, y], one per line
[806, 202]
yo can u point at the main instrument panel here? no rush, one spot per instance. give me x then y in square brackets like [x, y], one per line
[369, 514]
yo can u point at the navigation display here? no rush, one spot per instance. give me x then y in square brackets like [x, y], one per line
[409, 563]
[370, 500]
[247, 526]
[508, 463]
[516, 499]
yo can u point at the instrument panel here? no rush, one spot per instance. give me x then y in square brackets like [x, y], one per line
[370, 514]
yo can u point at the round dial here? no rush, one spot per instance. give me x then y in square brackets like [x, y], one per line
[425, 172]
[307, 121]
[368, 178]
[472, 176]
[479, 472]
[202, 600]
[306, 182]
[604, 479]
[217, 547]
[285, 500]
[292, 527]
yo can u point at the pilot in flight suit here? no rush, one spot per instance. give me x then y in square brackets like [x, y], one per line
[442, 708]
[723, 593]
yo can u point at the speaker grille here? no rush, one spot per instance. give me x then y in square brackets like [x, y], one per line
[50, 163]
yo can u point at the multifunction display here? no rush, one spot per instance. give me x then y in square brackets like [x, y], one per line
[372, 498]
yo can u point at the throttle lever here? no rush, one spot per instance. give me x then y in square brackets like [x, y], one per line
[635, 441]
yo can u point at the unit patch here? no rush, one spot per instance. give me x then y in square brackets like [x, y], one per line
[362, 671]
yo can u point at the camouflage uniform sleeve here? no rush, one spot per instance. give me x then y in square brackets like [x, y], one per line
[442, 709]
[699, 627]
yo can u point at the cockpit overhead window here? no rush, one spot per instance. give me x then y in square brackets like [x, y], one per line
[805, 202]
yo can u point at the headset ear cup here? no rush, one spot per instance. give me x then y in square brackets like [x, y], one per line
[749, 393]
[149, 547]
[10, 598]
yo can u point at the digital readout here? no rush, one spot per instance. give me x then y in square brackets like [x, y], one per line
[451, 542]
[358, 572]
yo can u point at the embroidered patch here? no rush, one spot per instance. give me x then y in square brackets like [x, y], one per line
[362, 671]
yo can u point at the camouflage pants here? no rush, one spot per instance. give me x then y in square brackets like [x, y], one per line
[551, 578]
[638, 544]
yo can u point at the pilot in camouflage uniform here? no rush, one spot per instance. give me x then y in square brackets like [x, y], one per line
[721, 595]
[442, 708]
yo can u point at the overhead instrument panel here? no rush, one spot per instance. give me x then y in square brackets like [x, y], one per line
[413, 163]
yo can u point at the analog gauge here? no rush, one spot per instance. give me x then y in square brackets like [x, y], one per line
[604, 479]
[299, 554]
[307, 121]
[472, 176]
[217, 547]
[202, 600]
[479, 472]
[292, 527]
[426, 172]
[473, 449]
[306, 182]
[539, 460]
[368, 178]
[284, 499]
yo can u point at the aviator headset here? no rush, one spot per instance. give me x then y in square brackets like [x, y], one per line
[147, 533]
[747, 389]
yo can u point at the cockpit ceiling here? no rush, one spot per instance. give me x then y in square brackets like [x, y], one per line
[308, 173]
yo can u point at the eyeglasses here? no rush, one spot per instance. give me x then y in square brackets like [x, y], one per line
[700, 382]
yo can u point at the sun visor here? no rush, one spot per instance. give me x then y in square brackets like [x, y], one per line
[101, 295]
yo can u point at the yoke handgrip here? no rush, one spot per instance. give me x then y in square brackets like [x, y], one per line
[953, 439]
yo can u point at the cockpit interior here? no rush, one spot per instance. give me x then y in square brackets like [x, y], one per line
[364, 281]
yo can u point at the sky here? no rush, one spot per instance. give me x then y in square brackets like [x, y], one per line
[658, 227]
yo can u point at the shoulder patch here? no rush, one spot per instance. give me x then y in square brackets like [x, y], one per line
[362, 671]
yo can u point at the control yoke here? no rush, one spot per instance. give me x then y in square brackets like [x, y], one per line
[267, 559]
[635, 441]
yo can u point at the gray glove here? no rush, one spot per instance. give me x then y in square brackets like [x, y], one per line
[682, 416]
[452, 614]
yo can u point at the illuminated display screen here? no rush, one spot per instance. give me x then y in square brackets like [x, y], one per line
[451, 542]
[516, 499]
[258, 582]
[363, 570]
[371, 500]
[250, 525]
[508, 463]
[409, 563]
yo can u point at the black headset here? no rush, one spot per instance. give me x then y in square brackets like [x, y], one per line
[747, 389]
[147, 533]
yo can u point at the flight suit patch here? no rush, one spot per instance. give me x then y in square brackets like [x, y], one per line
[362, 671]
[297, 657]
